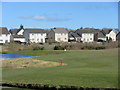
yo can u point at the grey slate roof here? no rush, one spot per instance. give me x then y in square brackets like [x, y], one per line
[80, 31]
[101, 34]
[72, 34]
[106, 31]
[4, 30]
[14, 31]
[118, 36]
[35, 30]
[60, 30]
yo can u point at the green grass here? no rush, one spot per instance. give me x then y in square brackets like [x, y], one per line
[85, 68]
[13, 88]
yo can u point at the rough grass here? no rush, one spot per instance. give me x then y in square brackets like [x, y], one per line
[36, 52]
[85, 68]
[27, 62]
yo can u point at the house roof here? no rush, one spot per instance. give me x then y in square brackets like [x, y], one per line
[101, 34]
[106, 31]
[35, 30]
[81, 31]
[60, 30]
[72, 34]
[14, 31]
[118, 36]
[18, 36]
[4, 30]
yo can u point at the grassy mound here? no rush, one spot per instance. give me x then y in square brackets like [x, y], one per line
[28, 62]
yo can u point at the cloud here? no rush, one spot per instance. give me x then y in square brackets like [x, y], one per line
[39, 18]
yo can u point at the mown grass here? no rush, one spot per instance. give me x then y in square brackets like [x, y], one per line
[85, 68]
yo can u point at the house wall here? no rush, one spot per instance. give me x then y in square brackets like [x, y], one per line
[20, 39]
[5, 38]
[51, 35]
[37, 37]
[87, 37]
[102, 39]
[61, 37]
[78, 39]
[112, 35]
[21, 32]
[26, 35]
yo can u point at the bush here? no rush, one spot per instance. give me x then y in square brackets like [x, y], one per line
[59, 48]
[38, 48]
[41, 43]
[100, 47]
[93, 47]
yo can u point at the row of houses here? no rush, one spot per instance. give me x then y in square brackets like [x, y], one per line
[33, 35]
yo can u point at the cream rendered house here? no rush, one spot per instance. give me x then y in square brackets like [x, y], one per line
[109, 33]
[35, 35]
[58, 35]
[5, 36]
[87, 35]
[18, 34]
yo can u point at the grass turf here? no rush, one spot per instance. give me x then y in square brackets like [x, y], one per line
[85, 68]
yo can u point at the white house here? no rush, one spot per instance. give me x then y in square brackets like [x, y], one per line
[87, 35]
[58, 35]
[35, 35]
[109, 33]
[18, 34]
[5, 36]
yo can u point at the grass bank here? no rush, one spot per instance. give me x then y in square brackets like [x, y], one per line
[85, 68]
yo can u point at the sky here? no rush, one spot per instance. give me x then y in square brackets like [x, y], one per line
[71, 15]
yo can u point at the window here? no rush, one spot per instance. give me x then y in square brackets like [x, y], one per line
[59, 39]
[41, 34]
[90, 38]
[87, 39]
[83, 39]
[41, 40]
[65, 38]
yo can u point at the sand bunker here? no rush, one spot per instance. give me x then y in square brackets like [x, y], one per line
[28, 62]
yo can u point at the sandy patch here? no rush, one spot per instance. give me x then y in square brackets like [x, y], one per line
[27, 62]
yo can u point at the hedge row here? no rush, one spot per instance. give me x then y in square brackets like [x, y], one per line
[48, 87]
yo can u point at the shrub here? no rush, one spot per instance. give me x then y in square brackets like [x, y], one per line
[100, 47]
[41, 43]
[38, 48]
[59, 48]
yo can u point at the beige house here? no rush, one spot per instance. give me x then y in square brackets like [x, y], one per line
[18, 34]
[58, 35]
[109, 33]
[34, 35]
[5, 36]
[87, 35]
